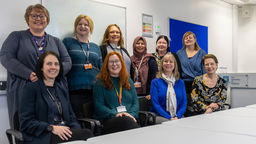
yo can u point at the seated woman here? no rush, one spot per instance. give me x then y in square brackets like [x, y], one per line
[209, 91]
[45, 114]
[144, 67]
[115, 99]
[168, 94]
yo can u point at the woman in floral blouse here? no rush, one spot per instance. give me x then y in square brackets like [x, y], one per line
[209, 91]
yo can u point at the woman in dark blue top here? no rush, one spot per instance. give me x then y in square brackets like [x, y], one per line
[45, 114]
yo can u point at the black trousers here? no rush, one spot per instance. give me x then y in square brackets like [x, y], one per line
[188, 85]
[77, 134]
[78, 98]
[117, 124]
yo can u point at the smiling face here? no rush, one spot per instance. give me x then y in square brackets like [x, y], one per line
[140, 46]
[114, 35]
[210, 66]
[168, 65]
[83, 28]
[51, 67]
[161, 45]
[37, 21]
[189, 40]
[114, 65]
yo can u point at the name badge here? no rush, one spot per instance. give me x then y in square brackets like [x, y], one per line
[88, 66]
[137, 84]
[121, 109]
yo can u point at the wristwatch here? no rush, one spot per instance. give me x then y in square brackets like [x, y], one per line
[49, 128]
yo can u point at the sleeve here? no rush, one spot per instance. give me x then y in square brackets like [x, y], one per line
[27, 113]
[134, 111]
[100, 61]
[64, 57]
[197, 104]
[202, 65]
[132, 71]
[8, 57]
[183, 97]
[223, 94]
[153, 68]
[101, 111]
[178, 63]
[155, 100]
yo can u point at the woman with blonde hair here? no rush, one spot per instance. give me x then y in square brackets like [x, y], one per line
[86, 63]
[168, 94]
[115, 99]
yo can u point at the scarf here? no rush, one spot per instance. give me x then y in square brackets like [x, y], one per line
[140, 64]
[171, 102]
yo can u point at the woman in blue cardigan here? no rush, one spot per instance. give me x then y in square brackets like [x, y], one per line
[168, 94]
[45, 114]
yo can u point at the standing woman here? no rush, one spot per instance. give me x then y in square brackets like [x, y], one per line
[168, 94]
[21, 50]
[115, 99]
[45, 114]
[209, 91]
[144, 67]
[113, 41]
[86, 63]
[191, 62]
[162, 48]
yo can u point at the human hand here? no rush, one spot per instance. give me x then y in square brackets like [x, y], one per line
[33, 77]
[208, 110]
[214, 105]
[126, 114]
[62, 131]
[174, 118]
[148, 97]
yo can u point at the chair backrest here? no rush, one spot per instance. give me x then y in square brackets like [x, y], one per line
[144, 103]
[88, 109]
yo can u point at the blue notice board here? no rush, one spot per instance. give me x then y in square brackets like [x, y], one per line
[179, 28]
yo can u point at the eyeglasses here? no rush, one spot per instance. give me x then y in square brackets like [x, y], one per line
[35, 16]
[114, 62]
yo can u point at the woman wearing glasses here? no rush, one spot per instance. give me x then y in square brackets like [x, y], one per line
[115, 99]
[21, 50]
[86, 63]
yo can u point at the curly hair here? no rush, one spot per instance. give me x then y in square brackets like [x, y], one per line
[105, 77]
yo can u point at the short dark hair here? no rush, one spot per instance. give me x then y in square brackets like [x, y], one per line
[40, 63]
[210, 56]
[167, 41]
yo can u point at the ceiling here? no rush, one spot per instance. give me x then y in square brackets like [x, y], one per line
[240, 2]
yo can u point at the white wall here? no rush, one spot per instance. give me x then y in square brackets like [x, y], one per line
[246, 39]
[215, 14]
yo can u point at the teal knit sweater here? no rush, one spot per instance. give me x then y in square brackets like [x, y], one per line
[106, 101]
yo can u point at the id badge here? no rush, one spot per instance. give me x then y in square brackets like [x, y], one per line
[121, 109]
[88, 66]
[137, 84]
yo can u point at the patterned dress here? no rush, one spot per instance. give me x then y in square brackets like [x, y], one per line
[202, 95]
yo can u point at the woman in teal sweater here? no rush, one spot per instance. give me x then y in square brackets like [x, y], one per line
[115, 99]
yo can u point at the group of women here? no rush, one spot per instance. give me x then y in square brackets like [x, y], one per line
[37, 64]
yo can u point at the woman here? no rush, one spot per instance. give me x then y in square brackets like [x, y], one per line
[86, 63]
[115, 99]
[168, 95]
[45, 114]
[209, 91]
[144, 67]
[21, 50]
[162, 48]
[191, 62]
[113, 41]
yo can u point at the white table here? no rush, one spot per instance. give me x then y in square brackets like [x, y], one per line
[162, 134]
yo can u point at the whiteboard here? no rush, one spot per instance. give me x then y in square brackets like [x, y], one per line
[64, 12]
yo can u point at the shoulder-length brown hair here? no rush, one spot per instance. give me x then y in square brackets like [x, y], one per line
[197, 47]
[175, 71]
[105, 40]
[104, 74]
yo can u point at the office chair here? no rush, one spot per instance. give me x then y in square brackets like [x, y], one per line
[145, 116]
[10, 133]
